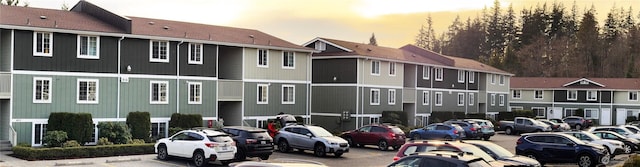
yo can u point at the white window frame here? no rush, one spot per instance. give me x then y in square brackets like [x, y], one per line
[472, 77]
[43, 131]
[438, 97]
[264, 99]
[196, 50]
[594, 113]
[493, 79]
[197, 97]
[97, 91]
[516, 108]
[471, 99]
[438, 74]
[564, 113]
[159, 58]
[392, 97]
[42, 93]
[425, 98]
[288, 55]
[460, 99]
[501, 97]
[35, 44]
[516, 94]
[263, 56]
[633, 95]
[375, 67]
[535, 111]
[79, 47]
[572, 95]
[374, 120]
[535, 94]
[162, 124]
[321, 46]
[592, 95]
[493, 99]
[426, 72]
[374, 97]
[461, 76]
[286, 94]
[151, 92]
[392, 68]
[502, 80]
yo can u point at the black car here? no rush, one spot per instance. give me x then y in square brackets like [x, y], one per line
[251, 142]
[441, 158]
[561, 148]
[630, 144]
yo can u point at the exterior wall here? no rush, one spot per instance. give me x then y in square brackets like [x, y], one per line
[497, 87]
[274, 105]
[333, 99]
[135, 97]
[343, 70]
[274, 70]
[603, 97]
[450, 80]
[209, 61]
[25, 131]
[209, 105]
[496, 107]
[528, 96]
[421, 81]
[5, 50]
[622, 97]
[333, 123]
[412, 73]
[368, 108]
[4, 119]
[231, 66]
[383, 78]
[135, 53]
[420, 107]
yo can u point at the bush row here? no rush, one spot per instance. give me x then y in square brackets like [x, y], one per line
[79, 126]
[29, 153]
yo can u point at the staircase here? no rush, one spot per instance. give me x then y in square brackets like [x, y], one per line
[5, 145]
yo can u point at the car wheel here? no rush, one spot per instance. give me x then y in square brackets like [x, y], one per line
[349, 140]
[396, 148]
[319, 150]
[199, 159]
[448, 138]
[225, 162]
[627, 149]
[264, 157]
[585, 161]
[508, 131]
[337, 154]
[162, 152]
[241, 155]
[578, 127]
[283, 146]
[416, 137]
[486, 138]
[383, 145]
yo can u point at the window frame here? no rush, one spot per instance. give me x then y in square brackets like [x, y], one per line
[391, 96]
[633, 95]
[375, 67]
[438, 97]
[594, 113]
[286, 94]
[591, 93]
[501, 102]
[263, 58]
[264, 99]
[438, 74]
[516, 92]
[97, 91]
[374, 97]
[197, 97]
[535, 94]
[320, 45]
[79, 47]
[42, 132]
[461, 99]
[49, 90]
[502, 80]
[426, 72]
[573, 110]
[35, 44]
[288, 55]
[159, 59]
[196, 51]
[574, 93]
[461, 76]
[536, 110]
[471, 99]
[392, 68]
[493, 99]
[493, 79]
[472, 76]
[425, 98]
[151, 92]
[160, 125]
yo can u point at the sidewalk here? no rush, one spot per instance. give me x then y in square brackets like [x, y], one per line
[8, 161]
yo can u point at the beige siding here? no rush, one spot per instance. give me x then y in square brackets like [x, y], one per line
[383, 78]
[274, 70]
[497, 87]
[622, 97]
[527, 95]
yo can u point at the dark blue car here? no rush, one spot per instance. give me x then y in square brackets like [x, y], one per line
[561, 148]
[438, 131]
[471, 128]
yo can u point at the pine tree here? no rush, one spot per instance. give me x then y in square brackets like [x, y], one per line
[426, 37]
[588, 44]
[372, 40]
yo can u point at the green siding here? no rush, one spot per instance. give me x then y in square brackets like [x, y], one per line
[135, 97]
[334, 124]
[274, 106]
[333, 99]
[384, 101]
[24, 132]
[209, 99]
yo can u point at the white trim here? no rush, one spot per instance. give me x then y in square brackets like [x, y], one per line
[501, 80]
[42, 133]
[460, 101]
[377, 70]
[596, 113]
[87, 56]
[595, 96]
[266, 61]
[35, 42]
[337, 85]
[159, 101]
[326, 42]
[293, 98]
[493, 99]
[461, 76]
[277, 81]
[190, 61]
[293, 57]
[541, 95]
[159, 59]
[544, 111]
[393, 65]
[439, 74]
[372, 101]
[472, 76]
[472, 99]
[513, 94]
[629, 97]
[391, 99]
[440, 99]
[534, 102]
[199, 85]
[502, 100]
[583, 79]
[35, 79]
[96, 101]
[328, 114]
[426, 70]
[426, 97]
[266, 100]
[113, 75]
[449, 90]
[493, 79]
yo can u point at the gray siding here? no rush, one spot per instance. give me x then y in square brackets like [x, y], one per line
[25, 131]
[384, 104]
[343, 70]
[449, 80]
[5, 50]
[274, 106]
[561, 96]
[334, 124]
[420, 107]
[209, 61]
[4, 119]
[209, 99]
[274, 69]
[333, 99]
[135, 53]
[230, 64]
[423, 83]
[497, 107]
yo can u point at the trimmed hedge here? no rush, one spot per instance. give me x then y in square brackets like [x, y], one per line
[139, 123]
[116, 132]
[394, 117]
[185, 121]
[31, 153]
[79, 126]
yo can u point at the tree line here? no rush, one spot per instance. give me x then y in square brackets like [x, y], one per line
[544, 41]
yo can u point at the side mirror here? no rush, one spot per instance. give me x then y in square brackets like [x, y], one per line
[309, 134]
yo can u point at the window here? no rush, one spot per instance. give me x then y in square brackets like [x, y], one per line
[425, 72]
[159, 51]
[263, 94]
[438, 73]
[263, 58]
[633, 96]
[87, 91]
[537, 94]
[471, 99]
[392, 68]
[425, 97]
[195, 92]
[39, 130]
[392, 96]
[158, 130]
[493, 78]
[501, 79]
[516, 108]
[288, 60]
[288, 94]
[461, 76]
[159, 92]
[195, 53]
[516, 94]
[321, 46]
[472, 77]
[42, 43]
[501, 100]
[375, 120]
[374, 97]
[438, 98]
[460, 99]
[493, 99]
[569, 112]
[88, 47]
[572, 95]
[375, 67]
[41, 90]
[592, 95]
[591, 113]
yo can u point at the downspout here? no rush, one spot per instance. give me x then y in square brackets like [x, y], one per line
[466, 85]
[357, 90]
[119, 76]
[178, 77]
[309, 93]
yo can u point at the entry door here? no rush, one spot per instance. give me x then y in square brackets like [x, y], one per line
[605, 117]
[621, 115]
[554, 112]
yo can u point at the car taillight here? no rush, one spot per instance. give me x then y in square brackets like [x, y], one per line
[455, 131]
[211, 145]
[233, 143]
[395, 158]
[473, 129]
[250, 141]
[392, 135]
[519, 141]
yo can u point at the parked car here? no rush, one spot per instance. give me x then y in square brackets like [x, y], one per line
[500, 153]
[471, 128]
[561, 148]
[523, 125]
[631, 128]
[441, 158]
[486, 128]
[554, 126]
[618, 129]
[201, 146]
[279, 163]
[630, 144]
[438, 131]
[614, 147]
[250, 141]
[309, 137]
[578, 122]
[562, 124]
[455, 146]
[376, 134]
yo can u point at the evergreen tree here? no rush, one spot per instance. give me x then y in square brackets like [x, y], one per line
[588, 44]
[372, 40]
[426, 37]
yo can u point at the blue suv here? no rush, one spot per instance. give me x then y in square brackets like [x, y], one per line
[438, 131]
[561, 148]
[471, 128]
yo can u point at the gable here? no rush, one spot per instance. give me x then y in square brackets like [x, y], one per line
[583, 83]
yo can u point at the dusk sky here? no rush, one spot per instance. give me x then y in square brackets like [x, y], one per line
[394, 22]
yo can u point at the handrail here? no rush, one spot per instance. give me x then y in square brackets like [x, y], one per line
[13, 136]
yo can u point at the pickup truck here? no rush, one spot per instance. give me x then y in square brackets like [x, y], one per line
[523, 125]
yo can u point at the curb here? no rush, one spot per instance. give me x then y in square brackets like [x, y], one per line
[72, 163]
[123, 160]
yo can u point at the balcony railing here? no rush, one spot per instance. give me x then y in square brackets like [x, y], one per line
[409, 95]
[5, 85]
[229, 90]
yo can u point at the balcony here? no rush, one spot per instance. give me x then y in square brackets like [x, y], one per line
[408, 95]
[5, 85]
[229, 90]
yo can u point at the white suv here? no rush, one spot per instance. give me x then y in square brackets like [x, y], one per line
[201, 146]
[308, 137]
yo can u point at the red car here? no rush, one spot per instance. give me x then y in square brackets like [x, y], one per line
[376, 134]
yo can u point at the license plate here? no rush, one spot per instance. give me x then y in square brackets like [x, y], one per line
[263, 142]
[225, 148]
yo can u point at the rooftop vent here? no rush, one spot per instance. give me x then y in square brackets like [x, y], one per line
[368, 49]
[166, 27]
[151, 23]
[43, 17]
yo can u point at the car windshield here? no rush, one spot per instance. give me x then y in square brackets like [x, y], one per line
[220, 138]
[592, 136]
[319, 132]
[477, 152]
[495, 149]
[397, 130]
[632, 129]
[259, 135]
[479, 163]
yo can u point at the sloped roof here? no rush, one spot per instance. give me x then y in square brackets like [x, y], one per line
[51, 18]
[453, 61]
[561, 83]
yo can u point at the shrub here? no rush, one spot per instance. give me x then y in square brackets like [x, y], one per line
[80, 129]
[55, 138]
[139, 123]
[633, 161]
[104, 141]
[631, 118]
[174, 130]
[71, 143]
[116, 132]
[394, 117]
[23, 145]
[137, 141]
[185, 121]
[31, 153]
